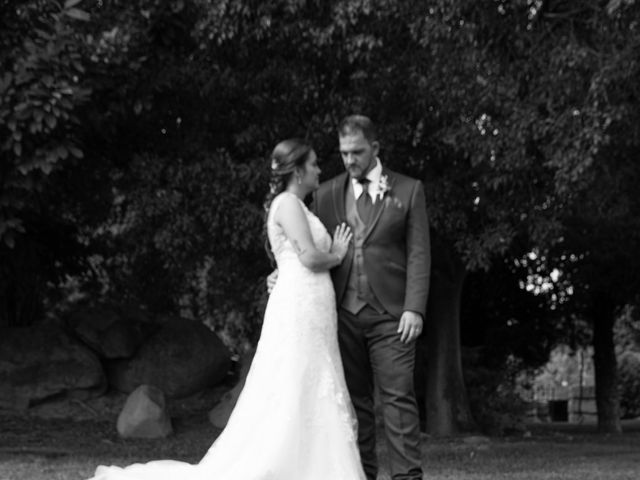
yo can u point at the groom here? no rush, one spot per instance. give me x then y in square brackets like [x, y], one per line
[381, 291]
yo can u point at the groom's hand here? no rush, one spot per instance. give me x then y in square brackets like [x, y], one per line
[410, 326]
[271, 280]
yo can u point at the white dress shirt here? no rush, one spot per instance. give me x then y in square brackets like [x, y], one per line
[374, 182]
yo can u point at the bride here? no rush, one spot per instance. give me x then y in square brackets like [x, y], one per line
[293, 419]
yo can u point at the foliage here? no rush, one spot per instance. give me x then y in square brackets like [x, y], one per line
[627, 340]
[600, 218]
[187, 236]
[629, 375]
[134, 134]
[587, 110]
[449, 111]
[421, 75]
[41, 90]
[627, 330]
[495, 402]
[508, 321]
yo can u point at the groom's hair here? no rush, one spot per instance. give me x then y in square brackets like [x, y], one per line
[358, 123]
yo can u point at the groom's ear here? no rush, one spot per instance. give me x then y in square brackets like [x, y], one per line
[375, 147]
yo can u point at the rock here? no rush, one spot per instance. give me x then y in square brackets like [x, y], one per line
[219, 415]
[42, 361]
[103, 408]
[144, 414]
[181, 358]
[112, 333]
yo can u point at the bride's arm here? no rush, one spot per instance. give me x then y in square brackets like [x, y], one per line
[291, 217]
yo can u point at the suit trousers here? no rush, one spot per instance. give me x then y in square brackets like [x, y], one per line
[372, 354]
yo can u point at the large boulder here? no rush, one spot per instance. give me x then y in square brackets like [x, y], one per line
[144, 414]
[42, 361]
[183, 357]
[112, 333]
[219, 415]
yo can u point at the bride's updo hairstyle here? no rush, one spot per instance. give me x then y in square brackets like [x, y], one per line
[284, 159]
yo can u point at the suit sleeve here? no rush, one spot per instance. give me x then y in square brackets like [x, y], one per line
[418, 253]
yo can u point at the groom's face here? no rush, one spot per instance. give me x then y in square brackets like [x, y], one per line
[358, 154]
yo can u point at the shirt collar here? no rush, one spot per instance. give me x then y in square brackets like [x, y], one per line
[374, 178]
[373, 175]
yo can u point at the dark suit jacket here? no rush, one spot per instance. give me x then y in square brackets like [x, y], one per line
[396, 249]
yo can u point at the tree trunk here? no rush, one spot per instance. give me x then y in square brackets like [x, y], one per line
[605, 365]
[447, 403]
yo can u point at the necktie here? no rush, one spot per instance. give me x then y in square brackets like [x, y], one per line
[364, 204]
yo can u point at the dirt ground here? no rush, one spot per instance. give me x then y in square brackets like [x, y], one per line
[68, 426]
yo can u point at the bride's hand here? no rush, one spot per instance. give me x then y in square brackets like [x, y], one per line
[341, 238]
[271, 280]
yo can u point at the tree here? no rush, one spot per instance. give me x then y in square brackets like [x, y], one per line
[181, 230]
[601, 211]
[478, 99]
[41, 90]
[584, 125]
[439, 98]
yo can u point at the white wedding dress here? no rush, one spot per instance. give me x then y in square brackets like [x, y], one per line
[293, 419]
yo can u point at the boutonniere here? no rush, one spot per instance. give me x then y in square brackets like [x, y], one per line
[383, 187]
[384, 192]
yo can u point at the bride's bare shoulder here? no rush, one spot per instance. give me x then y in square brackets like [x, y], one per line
[286, 203]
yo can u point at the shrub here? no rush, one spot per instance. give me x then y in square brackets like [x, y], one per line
[629, 375]
[495, 403]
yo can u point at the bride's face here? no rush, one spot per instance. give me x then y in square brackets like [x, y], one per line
[310, 178]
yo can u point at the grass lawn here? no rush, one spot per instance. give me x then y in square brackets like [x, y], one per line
[546, 455]
[37, 449]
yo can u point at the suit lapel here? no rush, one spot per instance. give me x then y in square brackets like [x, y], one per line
[379, 206]
[338, 190]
